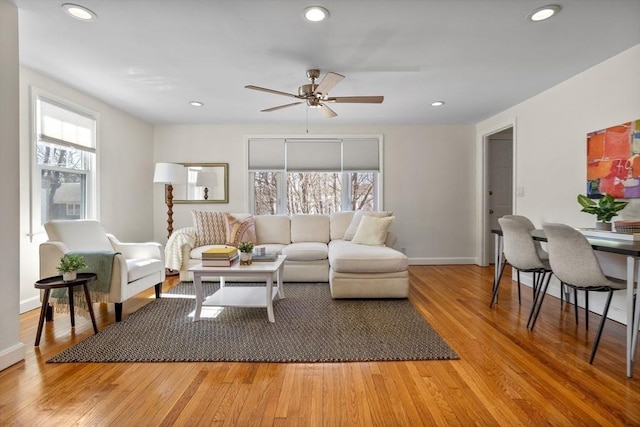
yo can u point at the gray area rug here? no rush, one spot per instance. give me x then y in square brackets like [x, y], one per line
[310, 327]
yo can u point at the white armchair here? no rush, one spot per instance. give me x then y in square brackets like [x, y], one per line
[138, 266]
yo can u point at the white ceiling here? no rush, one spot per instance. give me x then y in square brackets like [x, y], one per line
[150, 58]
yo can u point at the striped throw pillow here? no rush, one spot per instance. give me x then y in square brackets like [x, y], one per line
[211, 227]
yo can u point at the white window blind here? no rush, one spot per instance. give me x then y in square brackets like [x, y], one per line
[65, 127]
[314, 155]
[360, 155]
[266, 154]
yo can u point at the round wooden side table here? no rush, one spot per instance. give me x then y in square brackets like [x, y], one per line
[56, 282]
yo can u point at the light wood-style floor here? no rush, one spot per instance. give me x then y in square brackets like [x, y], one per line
[506, 375]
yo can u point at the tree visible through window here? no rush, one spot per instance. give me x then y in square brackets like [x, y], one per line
[65, 162]
[314, 192]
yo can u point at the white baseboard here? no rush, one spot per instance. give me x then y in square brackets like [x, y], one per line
[12, 355]
[30, 304]
[442, 261]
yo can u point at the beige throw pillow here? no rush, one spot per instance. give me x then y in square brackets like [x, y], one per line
[372, 230]
[357, 217]
[211, 227]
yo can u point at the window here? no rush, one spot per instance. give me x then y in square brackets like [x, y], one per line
[313, 176]
[64, 159]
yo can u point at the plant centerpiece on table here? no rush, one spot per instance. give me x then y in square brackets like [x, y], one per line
[69, 266]
[245, 249]
[604, 210]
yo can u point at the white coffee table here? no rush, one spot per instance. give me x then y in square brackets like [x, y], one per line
[241, 296]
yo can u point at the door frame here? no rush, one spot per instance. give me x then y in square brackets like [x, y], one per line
[485, 256]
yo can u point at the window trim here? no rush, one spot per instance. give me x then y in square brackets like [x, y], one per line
[36, 230]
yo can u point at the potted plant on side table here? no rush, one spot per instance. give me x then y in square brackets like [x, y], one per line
[69, 266]
[606, 208]
[245, 249]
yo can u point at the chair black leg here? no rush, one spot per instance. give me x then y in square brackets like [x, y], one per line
[542, 284]
[575, 303]
[601, 327]
[562, 295]
[158, 290]
[118, 311]
[541, 294]
[496, 285]
[518, 276]
[586, 309]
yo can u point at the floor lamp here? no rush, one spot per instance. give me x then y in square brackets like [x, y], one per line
[169, 174]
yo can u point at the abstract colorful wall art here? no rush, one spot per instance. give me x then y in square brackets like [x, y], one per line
[613, 161]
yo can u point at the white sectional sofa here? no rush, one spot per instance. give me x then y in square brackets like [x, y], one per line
[319, 248]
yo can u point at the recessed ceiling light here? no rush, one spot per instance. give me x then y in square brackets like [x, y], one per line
[79, 12]
[437, 103]
[544, 12]
[196, 104]
[315, 13]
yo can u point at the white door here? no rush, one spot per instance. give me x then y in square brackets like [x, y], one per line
[500, 191]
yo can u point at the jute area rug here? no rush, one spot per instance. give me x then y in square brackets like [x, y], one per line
[310, 327]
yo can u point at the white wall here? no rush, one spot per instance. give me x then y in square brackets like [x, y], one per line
[551, 143]
[429, 176]
[11, 349]
[125, 174]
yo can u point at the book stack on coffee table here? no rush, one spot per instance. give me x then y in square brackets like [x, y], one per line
[222, 256]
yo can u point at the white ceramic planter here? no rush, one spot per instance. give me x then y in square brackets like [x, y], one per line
[69, 276]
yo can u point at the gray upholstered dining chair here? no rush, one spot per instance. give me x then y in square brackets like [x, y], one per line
[526, 223]
[575, 264]
[521, 252]
[544, 255]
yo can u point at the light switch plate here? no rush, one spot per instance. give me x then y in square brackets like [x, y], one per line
[520, 192]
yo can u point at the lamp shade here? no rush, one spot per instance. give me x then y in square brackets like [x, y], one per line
[169, 173]
[206, 179]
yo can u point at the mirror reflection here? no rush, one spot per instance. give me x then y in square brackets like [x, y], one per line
[205, 183]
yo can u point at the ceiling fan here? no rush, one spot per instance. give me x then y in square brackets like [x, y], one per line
[317, 95]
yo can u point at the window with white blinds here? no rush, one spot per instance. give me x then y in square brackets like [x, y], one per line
[64, 158]
[314, 174]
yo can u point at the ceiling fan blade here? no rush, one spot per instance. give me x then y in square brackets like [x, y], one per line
[356, 99]
[280, 107]
[327, 112]
[277, 92]
[328, 82]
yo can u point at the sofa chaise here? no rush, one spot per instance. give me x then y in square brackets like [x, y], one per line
[350, 250]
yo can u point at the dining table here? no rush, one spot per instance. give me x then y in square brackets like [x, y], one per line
[620, 246]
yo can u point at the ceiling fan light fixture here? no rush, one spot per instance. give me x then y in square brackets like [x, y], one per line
[437, 103]
[315, 13]
[543, 13]
[80, 13]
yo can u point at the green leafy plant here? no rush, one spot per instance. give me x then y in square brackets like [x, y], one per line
[606, 208]
[245, 247]
[71, 262]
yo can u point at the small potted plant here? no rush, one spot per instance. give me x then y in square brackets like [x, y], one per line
[69, 266]
[606, 208]
[245, 249]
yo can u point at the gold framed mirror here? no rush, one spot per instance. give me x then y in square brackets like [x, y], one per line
[205, 183]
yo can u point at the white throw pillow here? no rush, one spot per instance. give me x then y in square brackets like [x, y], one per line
[357, 217]
[372, 230]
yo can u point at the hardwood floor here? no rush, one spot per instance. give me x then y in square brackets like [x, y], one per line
[506, 375]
